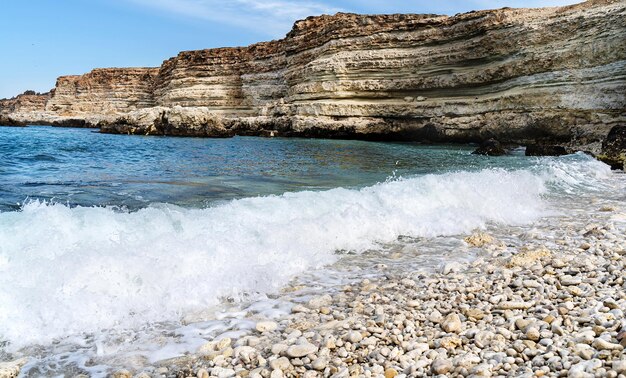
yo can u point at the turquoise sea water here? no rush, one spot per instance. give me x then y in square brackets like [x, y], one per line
[83, 167]
[110, 244]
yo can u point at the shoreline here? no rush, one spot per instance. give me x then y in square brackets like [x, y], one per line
[564, 265]
[611, 155]
[552, 308]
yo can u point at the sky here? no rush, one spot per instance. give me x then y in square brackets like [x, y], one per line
[43, 39]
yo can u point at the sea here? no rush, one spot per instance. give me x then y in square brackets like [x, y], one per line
[123, 251]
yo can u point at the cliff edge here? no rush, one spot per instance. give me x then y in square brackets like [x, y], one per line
[546, 75]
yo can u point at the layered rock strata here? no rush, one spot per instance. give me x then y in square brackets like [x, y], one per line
[96, 98]
[17, 111]
[549, 75]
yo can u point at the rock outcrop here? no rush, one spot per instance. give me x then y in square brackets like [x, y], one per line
[614, 148]
[103, 94]
[545, 150]
[490, 147]
[89, 100]
[17, 111]
[528, 76]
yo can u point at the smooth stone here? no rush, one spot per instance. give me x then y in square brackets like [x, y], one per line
[584, 351]
[222, 372]
[578, 373]
[466, 360]
[619, 366]
[256, 373]
[320, 301]
[482, 370]
[570, 281]
[420, 348]
[320, 363]
[354, 337]
[301, 350]
[515, 305]
[482, 339]
[585, 337]
[391, 373]
[281, 363]
[413, 303]
[474, 313]
[602, 344]
[245, 353]
[266, 326]
[369, 341]
[299, 308]
[522, 324]
[533, 334]
[277, 374]
[435, 316]
[441, 366]
[549, 319]
[532, 284]
[278, 349]
[452, 323]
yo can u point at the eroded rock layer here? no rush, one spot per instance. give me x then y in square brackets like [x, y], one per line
[96, 98]
[553, 75]
[15, 111]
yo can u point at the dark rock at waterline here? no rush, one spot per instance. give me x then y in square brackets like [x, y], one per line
[490, 147]
[81, 123]
[8, 121]
[614, 148]
[545, 150]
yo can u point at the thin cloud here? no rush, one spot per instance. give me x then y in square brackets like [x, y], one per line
[273, 18]
[449, 7]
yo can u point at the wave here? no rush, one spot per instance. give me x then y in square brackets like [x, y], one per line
[66, 271]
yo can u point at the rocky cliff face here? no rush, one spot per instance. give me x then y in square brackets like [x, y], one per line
[15, 110]
[103, 92]
[89, 100]
[520, 75]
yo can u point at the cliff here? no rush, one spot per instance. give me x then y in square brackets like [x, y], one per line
[554, 75]
[89, 100]
[15, 111]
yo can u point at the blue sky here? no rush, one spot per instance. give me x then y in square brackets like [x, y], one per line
[43, 39]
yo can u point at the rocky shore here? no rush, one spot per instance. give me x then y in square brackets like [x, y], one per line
[552, 76]
[551, 306]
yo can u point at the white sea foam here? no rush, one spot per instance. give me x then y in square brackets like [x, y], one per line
[66, 271]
